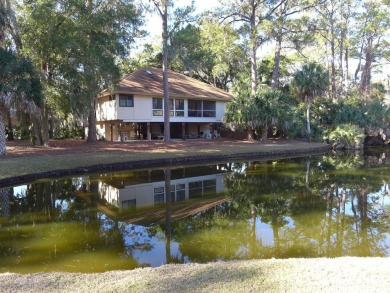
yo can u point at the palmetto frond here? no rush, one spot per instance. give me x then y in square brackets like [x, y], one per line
[19, 85]
[311, 81]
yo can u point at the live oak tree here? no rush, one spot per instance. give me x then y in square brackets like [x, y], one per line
[9, 31]
[78, 46]
[208, 51]
[9, 36]
[19, 89]
[44, 30]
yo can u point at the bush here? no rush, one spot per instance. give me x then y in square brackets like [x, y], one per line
[68, 132]
[348, 135]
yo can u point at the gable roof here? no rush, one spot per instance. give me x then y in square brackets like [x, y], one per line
[149, 81]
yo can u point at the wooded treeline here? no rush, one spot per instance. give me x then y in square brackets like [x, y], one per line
[305, 67]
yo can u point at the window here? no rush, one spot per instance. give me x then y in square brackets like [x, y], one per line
[129, 204]
[194, 108]
[173, 194]
[159, 195]
[202, 188]
[126, 101]
[157, 106]
[199, 108]
[195, 189]
[176, 107]
[180, 192]
[208, 109]
[209, 187]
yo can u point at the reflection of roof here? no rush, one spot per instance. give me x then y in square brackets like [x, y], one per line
[179, 211]
[156, 214]
[149, 81]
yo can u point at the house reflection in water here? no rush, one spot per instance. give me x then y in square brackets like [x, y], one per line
[139, 197]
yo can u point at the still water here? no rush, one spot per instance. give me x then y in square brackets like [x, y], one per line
[320, 206]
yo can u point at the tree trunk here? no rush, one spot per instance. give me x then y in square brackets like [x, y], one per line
[275, 230]
[253, 69]
[5, 207]
[366, 74]
[275, 73]
[341, 69]
[45, 125]
[278, 48]
[36, 131]
[327, 66]
[10, 127]
[346, 32]
[253, 240]
[13, 25]
[253, 49]
[167, 131]
[360, 60]
[308, 119]
[250, 135]
[307, 178]
[333, 78]
[264, 135]
[3, 115]
[168, 215]
[92, 124]
[346, 71]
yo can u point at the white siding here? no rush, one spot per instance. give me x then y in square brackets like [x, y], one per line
[220, 111]
[143, 112]
[106, 110]
[144, 193]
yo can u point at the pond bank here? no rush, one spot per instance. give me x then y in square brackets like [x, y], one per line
[72, 157]
[347, 274]
[271, 275]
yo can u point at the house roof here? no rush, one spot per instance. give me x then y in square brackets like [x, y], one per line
[149, 81]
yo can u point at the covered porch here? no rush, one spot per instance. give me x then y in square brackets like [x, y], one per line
[126, 131]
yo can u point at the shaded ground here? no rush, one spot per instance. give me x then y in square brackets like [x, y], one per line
[57, 147]
[73, 157]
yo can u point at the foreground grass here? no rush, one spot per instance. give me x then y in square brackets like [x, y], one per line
[291, 275]
[31, 163]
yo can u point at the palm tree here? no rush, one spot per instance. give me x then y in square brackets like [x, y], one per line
[19, 88]
[241, 113]
[271, 105]
[310, 82]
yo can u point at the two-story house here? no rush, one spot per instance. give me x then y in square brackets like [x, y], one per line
[134, 108]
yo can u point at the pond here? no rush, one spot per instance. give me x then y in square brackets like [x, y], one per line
[319, 206]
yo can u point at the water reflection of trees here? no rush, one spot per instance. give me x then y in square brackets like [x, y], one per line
[49, 227]
[312, 207]
[320, 206]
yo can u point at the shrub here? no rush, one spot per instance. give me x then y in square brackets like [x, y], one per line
[68, 131]
[346, 134]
